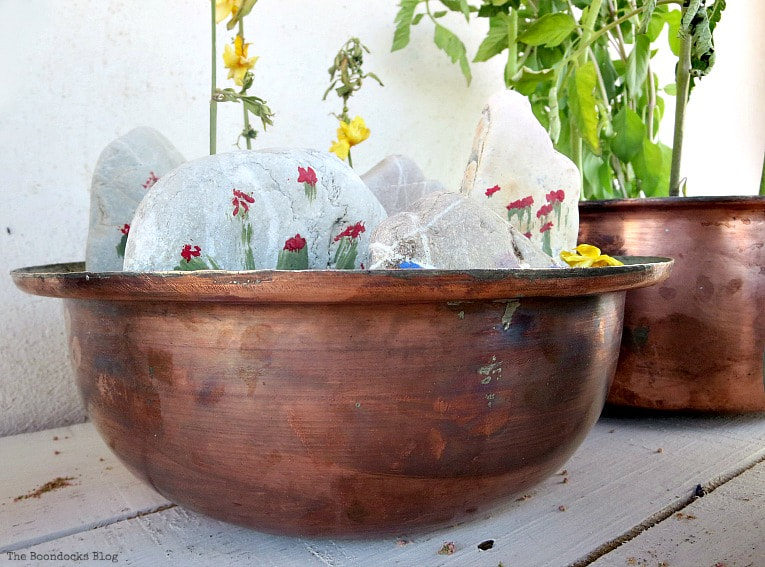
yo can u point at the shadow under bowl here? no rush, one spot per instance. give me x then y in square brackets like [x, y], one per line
[343, 403]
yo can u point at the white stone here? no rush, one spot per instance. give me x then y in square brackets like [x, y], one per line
[192, 205]
[125, 171]
[397, 182]
[451, 232]
[512, 151]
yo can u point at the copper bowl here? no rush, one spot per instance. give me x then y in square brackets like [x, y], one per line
[696, 342]
[343, 402]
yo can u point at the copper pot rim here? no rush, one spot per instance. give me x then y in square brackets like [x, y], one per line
[674, 204]
[71, 281]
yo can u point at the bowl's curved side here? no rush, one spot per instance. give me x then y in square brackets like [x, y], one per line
[344, 419]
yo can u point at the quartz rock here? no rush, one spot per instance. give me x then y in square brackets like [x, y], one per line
[515, 171]
[125, 171]
[263, 209]
[397, 182]
[452, 232]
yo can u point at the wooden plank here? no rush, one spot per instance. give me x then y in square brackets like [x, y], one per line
[726, 527]
[100, 490]
[616, 480]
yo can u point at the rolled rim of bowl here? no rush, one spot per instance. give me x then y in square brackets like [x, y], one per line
[71, 281]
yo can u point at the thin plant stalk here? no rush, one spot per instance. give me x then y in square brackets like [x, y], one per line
[247, 139]
[213, 94]
[350, 160]
[683, 81]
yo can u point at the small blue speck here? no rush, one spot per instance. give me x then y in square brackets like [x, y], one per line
[409, 266]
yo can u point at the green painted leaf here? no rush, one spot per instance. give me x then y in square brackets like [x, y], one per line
[647, 164]
[454, 48]
[121, 246]
[495, 41]
[549, 30]
[637, 65]
[583, 106]
[629, 132]
[403, 22]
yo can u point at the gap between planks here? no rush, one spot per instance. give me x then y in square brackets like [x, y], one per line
[669, 511]
[83, 528]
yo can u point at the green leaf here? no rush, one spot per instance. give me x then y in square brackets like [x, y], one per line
[673, 33]
[647, 164]
[527, 80]
[495, 41]
[671, 89]
[440, 14]
[403, 22]
[582, 103]
[454, 48]
[121, 246]
[418, 18]
[549, 30]
[715, 13]
[648, 8]
[637, 65]
[629, 132]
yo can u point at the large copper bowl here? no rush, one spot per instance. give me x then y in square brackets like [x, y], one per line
[343, 403]
[697, 342]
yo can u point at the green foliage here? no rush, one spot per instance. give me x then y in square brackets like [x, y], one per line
[585, 66]
[346, 75]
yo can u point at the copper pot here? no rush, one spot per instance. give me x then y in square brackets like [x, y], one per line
[343, 403]
[697, 341]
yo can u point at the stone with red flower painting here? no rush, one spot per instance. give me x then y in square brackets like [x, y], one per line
[513, 151]
[127, 169]
[243, 208]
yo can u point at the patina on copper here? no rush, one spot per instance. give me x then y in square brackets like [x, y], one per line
[697, 341]
[343, 403]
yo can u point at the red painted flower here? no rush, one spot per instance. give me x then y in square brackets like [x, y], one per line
[491, 190]
[544, 210]
[241, 199]
[555, 196]
[352, 231]
[188, 252]
[295, 244]
[527, 234]
[521, 203]
[307, 175]
[125, 229]
[150, 181]
[545, 227]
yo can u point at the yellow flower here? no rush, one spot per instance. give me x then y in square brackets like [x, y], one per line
[226, 8]
[587, 256]
[355, 132]
[340, 148]
[236, 60]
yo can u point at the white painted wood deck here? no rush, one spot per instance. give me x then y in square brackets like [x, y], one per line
[629, 500]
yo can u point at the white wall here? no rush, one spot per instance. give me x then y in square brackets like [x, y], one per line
[77, 74]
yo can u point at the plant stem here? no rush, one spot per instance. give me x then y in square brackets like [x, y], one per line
[213, 102]
[682, 80]
[244, 91]
[512, 47]
[350, 160]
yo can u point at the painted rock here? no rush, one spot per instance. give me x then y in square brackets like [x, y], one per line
[515, 171]
[125, 171]
[397, 182]
[452, 232]
[279, 208]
